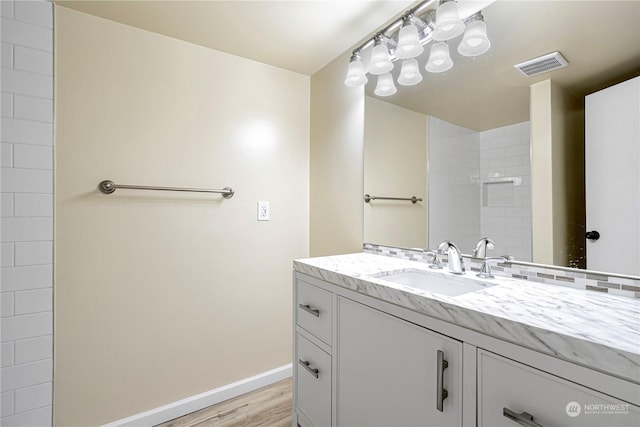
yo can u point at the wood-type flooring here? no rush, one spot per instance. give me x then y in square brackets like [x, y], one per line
[268, 406]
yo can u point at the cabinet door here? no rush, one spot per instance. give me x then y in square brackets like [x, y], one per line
[388, 371]
[510, 392]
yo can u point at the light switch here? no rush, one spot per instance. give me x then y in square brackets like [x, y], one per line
[263, 211]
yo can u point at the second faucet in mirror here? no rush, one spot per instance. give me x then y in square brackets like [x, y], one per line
[454, 257]
[483, 244]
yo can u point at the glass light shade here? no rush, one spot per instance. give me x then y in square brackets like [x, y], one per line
[475, 41]
[439, 59]
[448, 22]
[409, 73]
[356, 75]
[385, 86]
[408, 42]
[380, 60]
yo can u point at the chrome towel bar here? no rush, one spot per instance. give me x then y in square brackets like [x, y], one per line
[412, 199]
[108, 187]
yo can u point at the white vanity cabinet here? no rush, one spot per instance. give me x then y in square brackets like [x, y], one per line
[313, 365]
[394, 373]
[512, 394]
[365, 362]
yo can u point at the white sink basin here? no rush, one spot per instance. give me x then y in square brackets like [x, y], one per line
[435, 282]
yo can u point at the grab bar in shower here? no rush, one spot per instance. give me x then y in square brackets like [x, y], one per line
[412, 199]
[108, 187]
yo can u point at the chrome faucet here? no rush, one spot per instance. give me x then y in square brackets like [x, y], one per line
[454, 257]
[481, 247]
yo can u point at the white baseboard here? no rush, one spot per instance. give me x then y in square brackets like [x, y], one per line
[199, 401]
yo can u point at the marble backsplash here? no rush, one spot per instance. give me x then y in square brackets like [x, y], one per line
[548, 275]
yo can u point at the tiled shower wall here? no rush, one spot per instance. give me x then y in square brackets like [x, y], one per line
[454, 166]
[27, 212]
[479, 185]
[505, 193]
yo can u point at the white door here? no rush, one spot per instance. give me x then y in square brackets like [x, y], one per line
[612, 169]
[388, 372]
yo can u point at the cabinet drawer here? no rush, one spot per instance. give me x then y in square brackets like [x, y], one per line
[551, 400]
[313, 310]
[313, 382]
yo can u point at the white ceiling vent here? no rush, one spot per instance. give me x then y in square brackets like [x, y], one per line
[542, 64]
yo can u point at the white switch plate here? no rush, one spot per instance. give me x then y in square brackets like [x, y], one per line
[263, 211]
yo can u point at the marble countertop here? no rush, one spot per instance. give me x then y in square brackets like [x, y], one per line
[595, 330]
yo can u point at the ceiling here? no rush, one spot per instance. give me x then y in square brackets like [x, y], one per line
[301, 36]
[600, 39]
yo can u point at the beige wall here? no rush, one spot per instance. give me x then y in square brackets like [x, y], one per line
[395, 165]
[557, 175]
[160, 296]
[336, 180]
[541, 173]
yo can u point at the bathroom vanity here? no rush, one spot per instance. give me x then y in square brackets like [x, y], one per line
[377, 343]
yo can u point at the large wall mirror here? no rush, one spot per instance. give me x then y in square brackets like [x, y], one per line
[462, 140]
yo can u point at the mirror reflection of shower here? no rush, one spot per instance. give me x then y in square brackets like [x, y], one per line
[480, 185]
[475, 184]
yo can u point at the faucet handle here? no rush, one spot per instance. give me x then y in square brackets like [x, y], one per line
[485, 270]
[435, 262]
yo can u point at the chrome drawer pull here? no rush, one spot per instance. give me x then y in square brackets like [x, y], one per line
[305, 365]
[441, 393]
[310, 310]
[524, 419]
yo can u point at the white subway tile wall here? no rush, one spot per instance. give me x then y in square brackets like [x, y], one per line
[505, 166]
[479, 185]
[33, 253]
[26, 278]
[454, 167]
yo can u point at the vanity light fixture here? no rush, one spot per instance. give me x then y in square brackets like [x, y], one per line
[475, 41]
[356, 75]
[439, 59]
[448, 22]
[380, 57]
[405, 39]
[385, 86]
[409, 73]
[408, 40]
